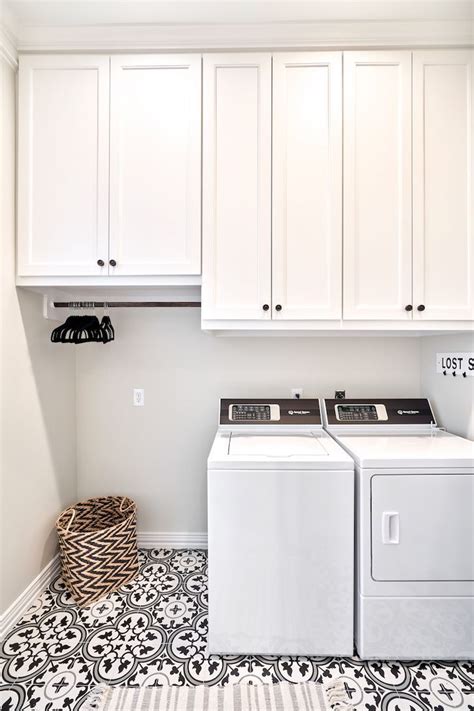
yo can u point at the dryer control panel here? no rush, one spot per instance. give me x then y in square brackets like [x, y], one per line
[283, 412]
[406, 411]
[361, 413]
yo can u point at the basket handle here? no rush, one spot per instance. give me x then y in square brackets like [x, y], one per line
[71, 520]
[122, 503]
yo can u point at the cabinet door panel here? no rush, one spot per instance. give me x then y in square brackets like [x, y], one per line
[443, 208]
[307, 185]
[377, 185]
[63, 158]
[236, 186]
[155, 164]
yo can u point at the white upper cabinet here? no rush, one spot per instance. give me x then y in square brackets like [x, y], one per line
[155, 164]
[443, 207]
[377, 185]
[237, 186]
[63, 165]
[307, 186]
[334, 190]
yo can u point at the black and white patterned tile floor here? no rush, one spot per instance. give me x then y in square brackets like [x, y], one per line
[154, 631]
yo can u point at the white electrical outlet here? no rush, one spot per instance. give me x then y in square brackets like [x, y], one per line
[296, 393]
[138, 397]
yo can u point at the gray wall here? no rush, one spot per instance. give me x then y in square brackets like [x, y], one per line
[157, 454]
[452, 398]
[37, 389]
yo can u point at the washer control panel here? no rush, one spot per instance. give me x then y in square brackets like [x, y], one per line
[272, 412]
[248, 412]
[361, 413]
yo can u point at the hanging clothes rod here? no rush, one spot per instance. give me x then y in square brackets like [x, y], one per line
[125, 304]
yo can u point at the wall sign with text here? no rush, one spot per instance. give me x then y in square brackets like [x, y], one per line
[455, 364]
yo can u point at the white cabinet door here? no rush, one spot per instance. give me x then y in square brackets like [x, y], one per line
[63, 165]
[237, 186]
[377, 185]
[155, 164]
[443, 195]
[307, 185]
[422, 527]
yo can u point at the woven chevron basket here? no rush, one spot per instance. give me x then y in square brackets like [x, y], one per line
[98, 546]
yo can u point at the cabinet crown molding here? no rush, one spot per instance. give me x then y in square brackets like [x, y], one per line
[285, 35]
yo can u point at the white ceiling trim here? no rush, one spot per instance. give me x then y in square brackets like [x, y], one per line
[247, 36]
[8, 49]
[8, 36]
[76, 13]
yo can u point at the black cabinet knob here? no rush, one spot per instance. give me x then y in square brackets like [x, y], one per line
[278, 307]
[100, 262]
[265, 307]
[112, 262]
[408, 307]
[421, 307]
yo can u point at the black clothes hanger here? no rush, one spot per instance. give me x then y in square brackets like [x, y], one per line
[84, 329]
[106, 328]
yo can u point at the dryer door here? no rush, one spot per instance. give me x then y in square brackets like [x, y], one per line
[422, 527]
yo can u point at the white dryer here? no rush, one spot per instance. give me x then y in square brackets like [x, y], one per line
[414, 529]
[281, 541]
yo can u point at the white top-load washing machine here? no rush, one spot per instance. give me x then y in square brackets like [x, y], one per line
[281, 545]
[414, 529]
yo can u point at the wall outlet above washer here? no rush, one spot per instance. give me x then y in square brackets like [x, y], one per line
[138, 397]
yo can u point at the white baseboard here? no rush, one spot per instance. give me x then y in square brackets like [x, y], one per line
[18, 608]
[164, 539]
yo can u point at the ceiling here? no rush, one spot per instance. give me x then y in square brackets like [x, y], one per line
[77, 13]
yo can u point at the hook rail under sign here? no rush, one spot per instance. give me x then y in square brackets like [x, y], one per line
[455, 364]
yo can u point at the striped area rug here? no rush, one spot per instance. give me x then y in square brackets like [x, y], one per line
[233, 697]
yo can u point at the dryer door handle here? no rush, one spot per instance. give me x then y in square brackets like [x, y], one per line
[390, 527]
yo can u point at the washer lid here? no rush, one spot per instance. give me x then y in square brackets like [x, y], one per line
[268, 445]
[436, 450]
[238, 450]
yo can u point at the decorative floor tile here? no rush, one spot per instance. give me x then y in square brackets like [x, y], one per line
[12, 697]
[116, 650]
[361, 687]
[104, 612]
[444, 686]
[45, 603]
[30, 646]
[463, 671]
[392, 676]
[60, 685]
[174, 611]
[362, 692]
[154, 632]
